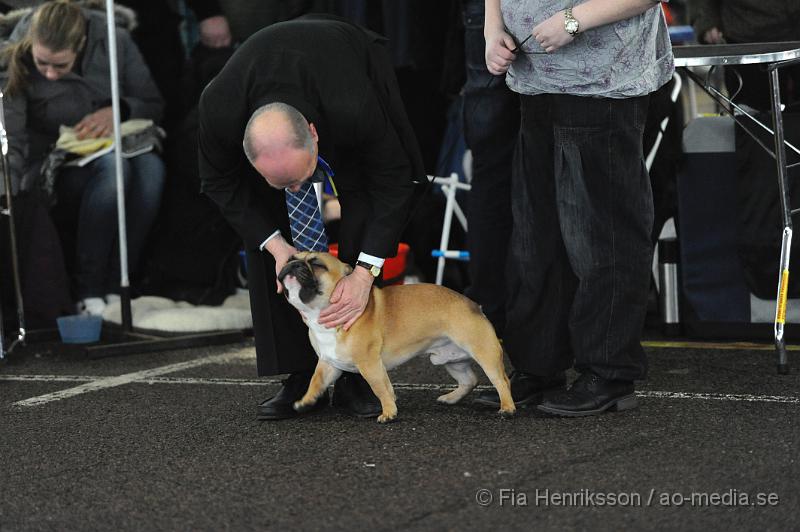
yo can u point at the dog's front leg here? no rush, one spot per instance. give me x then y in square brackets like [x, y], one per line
[374, 372]
[324, 376]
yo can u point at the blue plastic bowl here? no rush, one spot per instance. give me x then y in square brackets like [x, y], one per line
[79, 329]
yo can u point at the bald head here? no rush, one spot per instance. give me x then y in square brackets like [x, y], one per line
[281, 145]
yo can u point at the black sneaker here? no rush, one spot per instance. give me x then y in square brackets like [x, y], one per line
[280, 405]
[526, 389]
[352, 393]
[589, 395]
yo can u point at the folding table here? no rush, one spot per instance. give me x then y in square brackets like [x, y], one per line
[773, 56]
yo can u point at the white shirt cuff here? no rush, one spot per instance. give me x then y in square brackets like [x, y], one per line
[270, 237]
[369, 259]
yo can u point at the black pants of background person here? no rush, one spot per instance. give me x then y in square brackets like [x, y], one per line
[43, 274]
[491, 125]
[579, 266]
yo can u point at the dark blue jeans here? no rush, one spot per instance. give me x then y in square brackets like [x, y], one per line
[91, 192]
[579, 269]
[491, 125]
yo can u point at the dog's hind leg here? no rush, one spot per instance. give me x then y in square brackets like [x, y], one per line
[463, 374]
[488, 353]
[324, 376]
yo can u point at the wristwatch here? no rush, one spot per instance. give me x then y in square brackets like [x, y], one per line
[571, 24]
[371, 268]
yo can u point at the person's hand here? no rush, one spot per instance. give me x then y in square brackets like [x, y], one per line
[281, 251]
[499, 55]
[348, 300]
[215, 32]
[551, 34]
[713, 36]
[96, 125]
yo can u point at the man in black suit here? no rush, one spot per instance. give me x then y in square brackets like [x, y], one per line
[340, 80]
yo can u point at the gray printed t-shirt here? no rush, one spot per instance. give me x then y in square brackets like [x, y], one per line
[632, 57]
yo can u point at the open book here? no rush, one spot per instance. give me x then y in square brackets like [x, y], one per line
[138, 136]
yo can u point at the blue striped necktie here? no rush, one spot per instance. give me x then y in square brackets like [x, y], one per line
[305, 220]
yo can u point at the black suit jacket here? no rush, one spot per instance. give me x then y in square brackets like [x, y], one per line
[339, 77]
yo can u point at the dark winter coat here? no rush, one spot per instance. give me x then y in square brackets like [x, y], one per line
[33, 118]
[742, 21]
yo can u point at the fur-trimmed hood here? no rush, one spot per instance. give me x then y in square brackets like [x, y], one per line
[125, 16]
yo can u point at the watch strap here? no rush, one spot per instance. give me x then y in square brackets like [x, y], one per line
[371, 268]
[569, 19]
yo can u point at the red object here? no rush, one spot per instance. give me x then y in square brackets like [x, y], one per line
[668, 14]
[394, 268]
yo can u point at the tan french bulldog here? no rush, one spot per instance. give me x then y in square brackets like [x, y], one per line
[399, 323]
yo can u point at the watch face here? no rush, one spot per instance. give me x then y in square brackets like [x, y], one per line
[572, 26]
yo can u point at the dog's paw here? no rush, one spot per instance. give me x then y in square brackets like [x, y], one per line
[387, 418]
[507, 412]
[450, 398]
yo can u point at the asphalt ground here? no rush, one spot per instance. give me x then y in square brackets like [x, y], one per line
[169, 441]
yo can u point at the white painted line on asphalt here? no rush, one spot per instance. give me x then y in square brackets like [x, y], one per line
[720, 397]
[152, 377]
[49, 378]
[120, 380]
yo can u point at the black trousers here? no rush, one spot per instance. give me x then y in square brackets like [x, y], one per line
[282, 344]
[579, 268]
[491, 125]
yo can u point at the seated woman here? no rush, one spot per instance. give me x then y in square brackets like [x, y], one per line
[57, 73]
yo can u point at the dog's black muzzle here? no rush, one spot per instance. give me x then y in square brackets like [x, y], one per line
[304, 273]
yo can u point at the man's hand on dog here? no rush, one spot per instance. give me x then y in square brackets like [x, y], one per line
[282, 251]
[348, 300]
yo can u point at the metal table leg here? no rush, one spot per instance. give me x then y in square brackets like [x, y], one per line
[786, 241]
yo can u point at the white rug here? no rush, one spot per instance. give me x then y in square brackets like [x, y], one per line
[162, 314]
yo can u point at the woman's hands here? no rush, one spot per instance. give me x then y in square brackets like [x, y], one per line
[95, 125]
[551, 34]
[499, 54]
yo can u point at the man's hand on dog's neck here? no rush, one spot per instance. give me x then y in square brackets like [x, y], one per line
[348, 300]
[281, 251]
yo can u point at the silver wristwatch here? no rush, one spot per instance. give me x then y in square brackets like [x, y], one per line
[571, 24]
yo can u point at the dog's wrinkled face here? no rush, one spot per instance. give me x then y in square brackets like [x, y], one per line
[309, 277]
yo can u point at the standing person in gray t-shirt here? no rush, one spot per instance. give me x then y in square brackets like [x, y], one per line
[582, 205]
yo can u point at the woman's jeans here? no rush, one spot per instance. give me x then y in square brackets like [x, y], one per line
[579, 268]
[91, 192]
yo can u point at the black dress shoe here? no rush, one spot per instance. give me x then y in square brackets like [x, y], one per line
[589, 395]
[280, 405]
[526, 389]
[352, 393]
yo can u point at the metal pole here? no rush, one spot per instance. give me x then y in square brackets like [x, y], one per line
[786, 242]
[125, 293]
[12, 236]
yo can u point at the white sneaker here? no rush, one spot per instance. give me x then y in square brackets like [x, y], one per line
[92, 306]
[112, 298]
